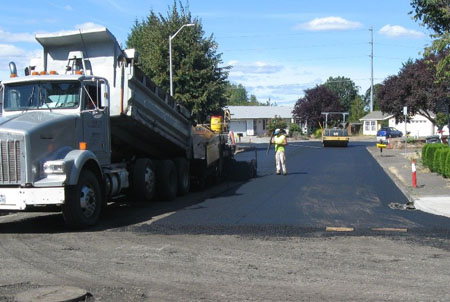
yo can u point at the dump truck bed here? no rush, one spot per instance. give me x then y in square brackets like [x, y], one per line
[152, 122]
[145, 120]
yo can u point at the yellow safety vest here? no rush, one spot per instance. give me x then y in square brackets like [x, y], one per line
[279, 143]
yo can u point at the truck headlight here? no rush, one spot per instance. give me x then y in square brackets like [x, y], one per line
[54, 167]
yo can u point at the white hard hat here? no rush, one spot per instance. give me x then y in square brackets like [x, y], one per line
[276, 131]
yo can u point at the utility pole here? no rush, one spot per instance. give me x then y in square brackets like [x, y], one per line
[371, 68]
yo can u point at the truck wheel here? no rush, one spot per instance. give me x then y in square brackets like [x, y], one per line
[184, 181]
[167, 180]
[83, 201]
[144, 179]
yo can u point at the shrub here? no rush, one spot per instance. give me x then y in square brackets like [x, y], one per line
[442, 160]
[434, 163]
[427, 154]
[447, 165]
[430, 158]
[318, 133]
[274, 124]
[424, 153]
[294, 130]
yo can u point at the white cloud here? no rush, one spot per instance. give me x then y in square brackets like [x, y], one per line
[68, 7]
[88, 25]
[328, 23]
[396, 31]
[8, 50]
[18, 55]
[83, 26]
[255, 68]
[15, 37]
[280, 83]
[288, 84]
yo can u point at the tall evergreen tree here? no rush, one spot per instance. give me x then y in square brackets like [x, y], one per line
[198, 80]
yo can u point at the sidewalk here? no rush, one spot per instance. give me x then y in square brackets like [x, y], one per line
[432, 194]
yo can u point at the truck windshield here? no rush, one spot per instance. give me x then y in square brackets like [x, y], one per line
[49, 95]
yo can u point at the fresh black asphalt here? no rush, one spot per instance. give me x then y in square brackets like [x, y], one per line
[325, 187]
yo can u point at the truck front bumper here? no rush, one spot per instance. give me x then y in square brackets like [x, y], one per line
[20, 198]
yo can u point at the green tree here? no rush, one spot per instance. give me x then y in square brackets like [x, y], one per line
[357, 109]
[236, 95]
[435, 15]
[198, 81]
[441, 120]
[376, 102]
[345, 89]
[254, 101]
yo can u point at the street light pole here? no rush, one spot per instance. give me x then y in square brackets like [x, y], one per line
[371, 69]
[170, 54]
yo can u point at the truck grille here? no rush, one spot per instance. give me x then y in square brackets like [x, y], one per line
[10, 165]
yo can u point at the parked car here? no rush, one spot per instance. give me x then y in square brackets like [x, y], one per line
[388, 132]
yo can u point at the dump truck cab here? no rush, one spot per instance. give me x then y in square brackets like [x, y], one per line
[50, 124]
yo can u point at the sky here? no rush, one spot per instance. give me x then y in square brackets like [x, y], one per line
[276, 49]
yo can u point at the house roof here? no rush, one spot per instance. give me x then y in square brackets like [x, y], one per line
[376, 116]
[254, 112]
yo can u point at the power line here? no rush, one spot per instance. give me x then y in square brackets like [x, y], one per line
[294, 47]
[281, 34]
[398, 45]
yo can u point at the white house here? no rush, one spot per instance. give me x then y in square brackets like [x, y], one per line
[253, 120]
[418, 126]
[373, 121]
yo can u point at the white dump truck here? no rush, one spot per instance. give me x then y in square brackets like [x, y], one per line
[87, 127]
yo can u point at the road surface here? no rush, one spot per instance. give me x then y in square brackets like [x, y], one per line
[265, 239]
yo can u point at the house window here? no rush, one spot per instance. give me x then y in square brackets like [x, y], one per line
[264, 124]
[366, 125]
[374, 127]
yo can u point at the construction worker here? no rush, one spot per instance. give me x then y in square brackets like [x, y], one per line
[280, 157]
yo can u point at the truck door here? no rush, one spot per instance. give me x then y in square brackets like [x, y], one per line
[95, 119]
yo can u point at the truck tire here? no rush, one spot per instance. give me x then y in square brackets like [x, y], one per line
[144, 179]
[167, 180]
[184, 181]
[83, 202]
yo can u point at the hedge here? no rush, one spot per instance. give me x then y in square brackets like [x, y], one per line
[442, 157]
[437, 158]
[430, 158]
[424, 153]
[447, 165]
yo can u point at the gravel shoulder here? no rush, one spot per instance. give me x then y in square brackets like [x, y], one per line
[126, 266]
